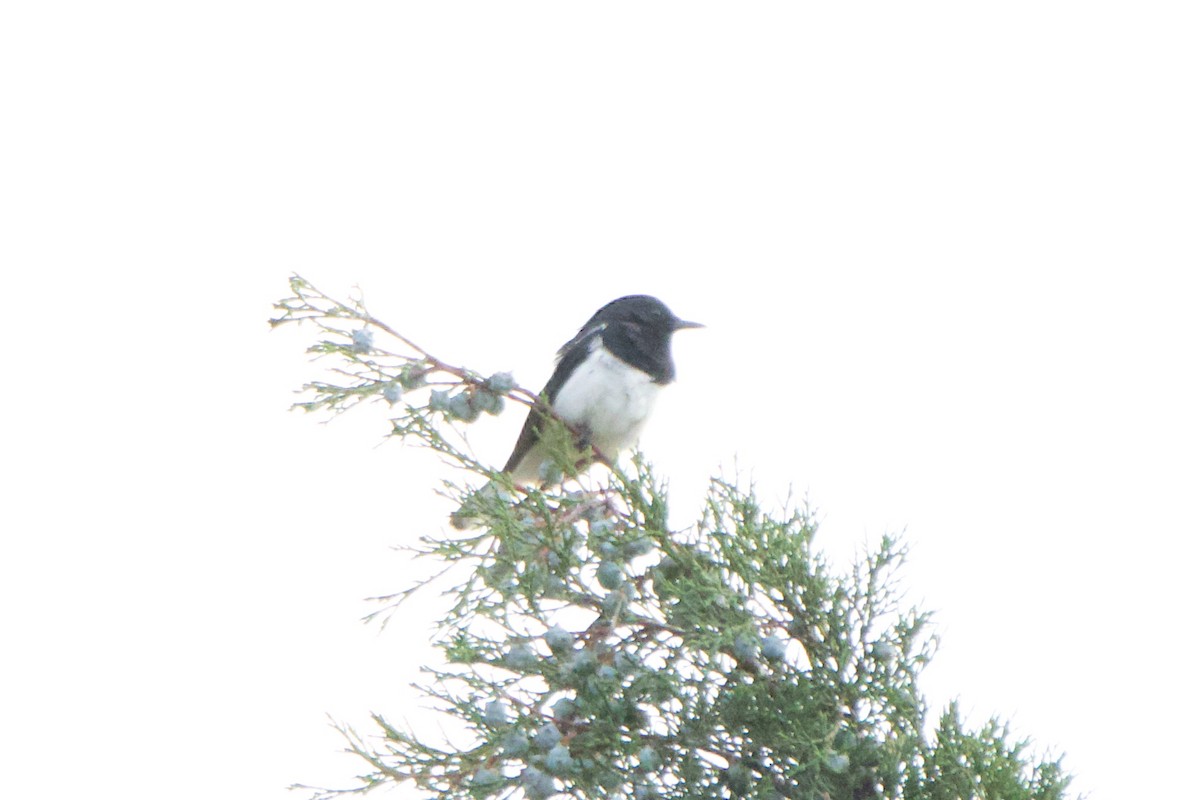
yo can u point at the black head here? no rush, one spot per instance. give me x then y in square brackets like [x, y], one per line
[641, 311]
[637, 329]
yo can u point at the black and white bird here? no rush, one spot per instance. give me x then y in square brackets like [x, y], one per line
[606, 382]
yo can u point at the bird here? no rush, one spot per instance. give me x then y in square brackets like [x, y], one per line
[604, 386]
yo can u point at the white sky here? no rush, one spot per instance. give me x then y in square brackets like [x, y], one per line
[947, 256]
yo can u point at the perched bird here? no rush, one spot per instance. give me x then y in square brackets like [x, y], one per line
[605, 384]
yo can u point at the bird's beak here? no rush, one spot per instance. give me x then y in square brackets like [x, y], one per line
[680, 324]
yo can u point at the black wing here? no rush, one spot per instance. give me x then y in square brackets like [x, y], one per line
[570, 356]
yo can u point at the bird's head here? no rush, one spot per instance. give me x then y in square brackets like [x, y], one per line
[642, 311]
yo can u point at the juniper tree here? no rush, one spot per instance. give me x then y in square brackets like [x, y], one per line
[591, 650]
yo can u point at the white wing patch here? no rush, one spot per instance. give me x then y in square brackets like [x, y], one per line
[583, 334]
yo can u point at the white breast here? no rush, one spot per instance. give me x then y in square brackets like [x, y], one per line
[609, 398]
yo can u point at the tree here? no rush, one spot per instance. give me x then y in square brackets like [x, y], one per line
[593, 651]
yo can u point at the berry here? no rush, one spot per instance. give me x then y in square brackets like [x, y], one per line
[560, 640]
[361, 340]
[837, 762]
[501, 383]
[537, 784]
[392, 393]
[486, 777]
[520, 657]
[460, 408]
[496, 713]
[547, 736]
[412, 376]
[515, 744]
[559, 760]
[745, 646]
[638, 547]
[485, 401]
[439, 399]
[609, 574]
[583, 662]
[668, 568]
[773, 648]
[648, 759]
[563, 708]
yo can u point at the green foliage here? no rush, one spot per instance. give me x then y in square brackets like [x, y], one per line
[592, 650]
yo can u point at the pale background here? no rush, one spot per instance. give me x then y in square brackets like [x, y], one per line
[947, 254]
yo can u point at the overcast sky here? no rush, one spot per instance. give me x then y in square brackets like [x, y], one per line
[947, 256]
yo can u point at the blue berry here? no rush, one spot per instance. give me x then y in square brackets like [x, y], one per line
[638, 547]
[486, 777]
[361, 340]
[501, 383]
[837, 762]
[460, 407]
[392, 393]
[773, 648]
[485, 401]
[520, 657]
[563, 708]
[560, 640]
[609, 574]
[559, 760]
[648, 759]
[439, 399]
[583, 662]
[745, 646]
[515, 744]
[537, 784]
[411, 376]
[496, 713]
[547, 736]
